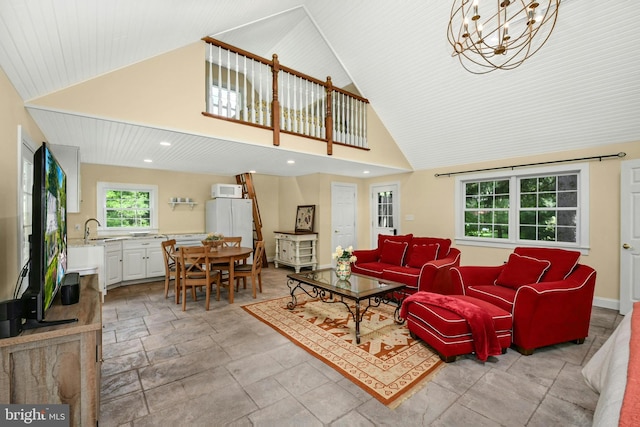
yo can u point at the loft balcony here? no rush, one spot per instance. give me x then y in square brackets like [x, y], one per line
[256, 91]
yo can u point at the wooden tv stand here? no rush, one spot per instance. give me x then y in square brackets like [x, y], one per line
[59, 364]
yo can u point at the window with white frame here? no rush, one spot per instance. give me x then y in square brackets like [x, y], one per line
[224, 102]
[542, 206]
[127, 207]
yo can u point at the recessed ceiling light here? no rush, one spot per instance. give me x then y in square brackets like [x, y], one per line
[365, 172]
[165, 143]
[148, 161]
[291, 161]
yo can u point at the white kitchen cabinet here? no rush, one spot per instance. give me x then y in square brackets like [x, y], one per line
[296, 249]
[155, 261]
[113, 262]
[69, 158]
[141, 259]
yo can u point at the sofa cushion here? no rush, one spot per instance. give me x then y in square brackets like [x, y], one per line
[373, 269]
[452, 325]
[521, 270]
[393, 252]
[563, 262]
[407, 275]
[500, 296]
[445, 244]
[419, 255]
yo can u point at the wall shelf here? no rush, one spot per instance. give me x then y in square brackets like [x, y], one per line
[190, 204]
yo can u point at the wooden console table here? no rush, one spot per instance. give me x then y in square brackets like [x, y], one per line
[59, 364]
[296, 249]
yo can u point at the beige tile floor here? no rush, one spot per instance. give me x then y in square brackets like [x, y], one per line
[166, 367]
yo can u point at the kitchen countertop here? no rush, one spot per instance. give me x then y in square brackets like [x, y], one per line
[100, 241]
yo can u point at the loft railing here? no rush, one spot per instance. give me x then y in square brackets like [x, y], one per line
[247, 88]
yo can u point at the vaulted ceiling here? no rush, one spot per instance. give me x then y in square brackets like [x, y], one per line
[580, 90]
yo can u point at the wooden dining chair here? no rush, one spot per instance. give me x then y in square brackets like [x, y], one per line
[232, 242]
[169, 255]
[253, 270]
[223, 267]
[195, 266]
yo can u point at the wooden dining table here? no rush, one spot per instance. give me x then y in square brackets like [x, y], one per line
[221, 255]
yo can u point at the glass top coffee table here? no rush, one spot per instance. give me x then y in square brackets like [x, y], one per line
[325, 286]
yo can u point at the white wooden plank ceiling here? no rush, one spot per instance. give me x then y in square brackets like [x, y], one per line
[581, 90]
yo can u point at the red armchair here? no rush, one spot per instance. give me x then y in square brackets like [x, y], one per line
[422, 263]
[547, 292]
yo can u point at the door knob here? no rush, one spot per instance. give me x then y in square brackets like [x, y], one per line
[626, 246]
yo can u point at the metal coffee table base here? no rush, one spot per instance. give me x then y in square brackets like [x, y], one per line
[329, 296]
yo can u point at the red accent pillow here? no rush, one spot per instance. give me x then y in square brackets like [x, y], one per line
[422, 254]
[563, 261]
[521, 270]
[393, 252]
[445, 244]
[390, 237]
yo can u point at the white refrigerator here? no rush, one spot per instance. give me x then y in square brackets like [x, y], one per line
[231, 217]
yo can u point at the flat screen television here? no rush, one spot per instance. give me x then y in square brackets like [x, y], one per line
[48, 239]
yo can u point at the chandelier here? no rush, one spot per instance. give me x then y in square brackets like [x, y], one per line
[493, 35]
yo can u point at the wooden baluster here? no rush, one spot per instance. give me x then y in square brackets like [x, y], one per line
[329, 117]
[275, 110]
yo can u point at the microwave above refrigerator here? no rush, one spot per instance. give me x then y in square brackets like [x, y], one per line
[231, 191]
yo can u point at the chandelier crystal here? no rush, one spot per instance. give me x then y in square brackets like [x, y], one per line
[489, 35]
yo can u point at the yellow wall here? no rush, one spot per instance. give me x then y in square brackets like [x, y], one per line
[181, 219]
[431, 201]
[12, 115]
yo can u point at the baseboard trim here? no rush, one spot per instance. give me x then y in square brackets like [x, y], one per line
[612, 304]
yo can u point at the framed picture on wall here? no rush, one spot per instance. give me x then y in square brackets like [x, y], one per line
[304, 218]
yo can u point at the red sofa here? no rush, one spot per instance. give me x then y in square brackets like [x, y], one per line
[547, 291]
[422, 263]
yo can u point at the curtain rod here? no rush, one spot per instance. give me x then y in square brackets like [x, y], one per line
[448, 174]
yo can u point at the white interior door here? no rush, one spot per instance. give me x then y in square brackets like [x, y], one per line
[343, 215]
[385, 211]
[629, 234]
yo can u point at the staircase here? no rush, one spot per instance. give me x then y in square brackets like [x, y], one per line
[249, 192]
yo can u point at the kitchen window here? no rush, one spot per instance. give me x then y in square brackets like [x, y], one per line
[127, 207]
[546, 206]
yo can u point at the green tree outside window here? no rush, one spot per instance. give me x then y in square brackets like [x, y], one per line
[128, 209]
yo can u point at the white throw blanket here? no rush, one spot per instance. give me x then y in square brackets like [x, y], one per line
[606, 373]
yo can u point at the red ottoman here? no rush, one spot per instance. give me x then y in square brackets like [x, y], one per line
[448, 333]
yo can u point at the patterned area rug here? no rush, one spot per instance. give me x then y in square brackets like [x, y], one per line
[388, 363]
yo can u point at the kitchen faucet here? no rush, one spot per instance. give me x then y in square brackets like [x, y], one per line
[86, 229]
